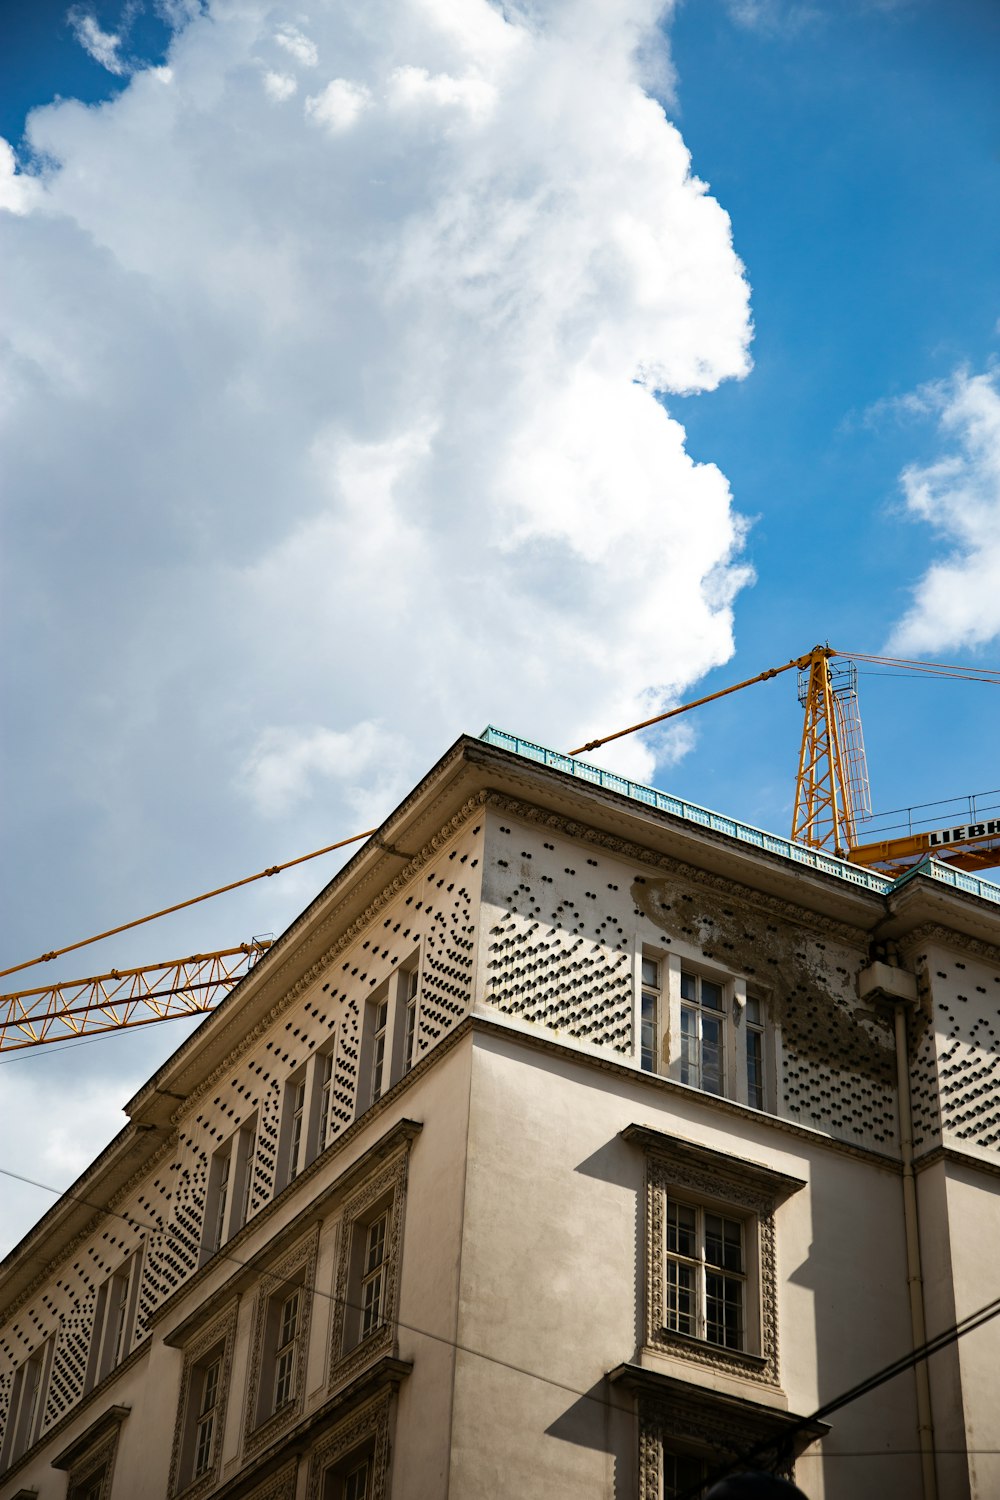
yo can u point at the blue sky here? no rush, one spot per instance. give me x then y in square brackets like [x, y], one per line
[325, 442]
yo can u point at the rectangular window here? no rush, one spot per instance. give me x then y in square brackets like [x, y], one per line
[754, 1021]
[705, 1274]
[352, 1478]
[327, 1095]
[114, 1321]
[367, 1280]
[298, 1108]
[223, 1165]
[230, 1188]
[286, 1349]
[27, 1404]
[373, 1280]
[682, 1474]
[649, 1015]
[702, 1034]
[356, 1482]
[293, 1156]
[207, 1383]
[380, 1020]
[248, 1140]
[410, 1018]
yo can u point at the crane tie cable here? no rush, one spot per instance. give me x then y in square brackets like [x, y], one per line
[193, 901]
[671, 713]
[985, 674]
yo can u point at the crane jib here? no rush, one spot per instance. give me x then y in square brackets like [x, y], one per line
[965, 831]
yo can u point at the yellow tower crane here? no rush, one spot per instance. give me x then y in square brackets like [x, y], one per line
[832, 800]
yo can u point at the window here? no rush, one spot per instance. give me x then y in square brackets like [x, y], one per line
[89, 1461]
[27, 1404]
[297, 1110]
[702, 1034]
[351, 1460]
[276, 1378]
[754, 1022]
[230, 1188]
[379, 1023]
[373, 1278]
[710, 1279]
[350, 1480]
[327, 1098]
[287, 1310]
[688, 1432]
[681, 1473]
[114, 1321]
[706, 1275]
[206, 1415]
[703, 1029]
[198, 1431]
[390, 1035]
[409, 1018]
[368, 1272]
[649, 1015]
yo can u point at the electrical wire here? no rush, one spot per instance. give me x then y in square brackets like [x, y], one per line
[940, 1341]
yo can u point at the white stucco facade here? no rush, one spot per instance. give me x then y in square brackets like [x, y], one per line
[432, 1205]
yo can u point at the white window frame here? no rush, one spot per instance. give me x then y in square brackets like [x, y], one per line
[279, 1347]
[390, 1031]
[211, 1348]
[115, 1314]
[666, 992]
[737, 1189]
[688, 1258]
[229, 1197]
[26, 1412]
[205, 1415]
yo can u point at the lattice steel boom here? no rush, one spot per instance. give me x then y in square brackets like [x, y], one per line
[123, 997]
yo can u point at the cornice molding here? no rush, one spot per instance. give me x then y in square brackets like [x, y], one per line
[789, 911]
[935, 932]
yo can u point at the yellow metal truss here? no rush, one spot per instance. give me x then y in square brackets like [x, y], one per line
[123, 997]
[824, 816]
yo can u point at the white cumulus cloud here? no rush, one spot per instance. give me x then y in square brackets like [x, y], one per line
[331, 432]
[319, 428]
[957, 601]
[285, 763]
[297, 45]
[339, 105]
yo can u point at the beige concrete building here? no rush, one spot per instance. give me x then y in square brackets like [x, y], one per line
[558, 1149]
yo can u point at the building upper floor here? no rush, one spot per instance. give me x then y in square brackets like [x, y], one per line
[644, 942]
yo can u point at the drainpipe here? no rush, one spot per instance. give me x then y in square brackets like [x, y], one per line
[898, 987]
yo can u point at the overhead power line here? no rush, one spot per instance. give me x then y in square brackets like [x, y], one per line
[888, 1372]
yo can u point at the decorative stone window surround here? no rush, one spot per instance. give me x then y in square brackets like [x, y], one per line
[297, 1265]
[93, 1451]
[750, 1190]
[674, 1416]
[368, 1425]
[222, 1330]
[320, 1206]
[388, 1184]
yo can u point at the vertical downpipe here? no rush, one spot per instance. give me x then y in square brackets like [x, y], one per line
[914, 1277]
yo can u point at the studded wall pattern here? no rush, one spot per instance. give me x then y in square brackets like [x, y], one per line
[432, 922]
[559, 950]
[65, 1308]
[955, 1050]
[567, 924]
